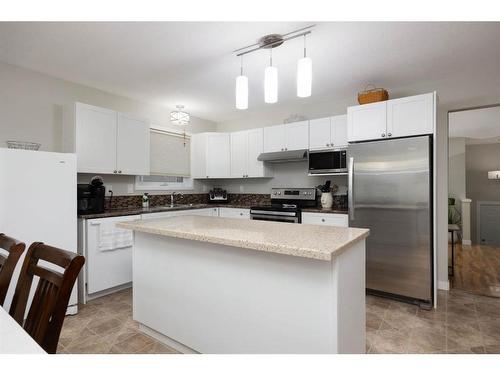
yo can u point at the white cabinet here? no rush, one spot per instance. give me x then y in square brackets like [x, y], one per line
[274, 138]
[368, 121]
[95, 139]
[287, 137]
[328, 132]
[210, 155]
[336, 220]
[234, 213]
[132, 146]
[109, 268]
[106, 141]
[410, 116]
[246, 146]
[414, 115]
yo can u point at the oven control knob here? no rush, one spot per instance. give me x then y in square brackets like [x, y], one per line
[279, 192]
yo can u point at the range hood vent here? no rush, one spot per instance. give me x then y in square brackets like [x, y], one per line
[283, 156]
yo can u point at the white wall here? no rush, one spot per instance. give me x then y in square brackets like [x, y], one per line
[291, 174]
[31, 109]
[456, 169]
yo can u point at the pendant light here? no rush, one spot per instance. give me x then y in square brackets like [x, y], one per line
[241, 89]
[271, 82]
[304, 75]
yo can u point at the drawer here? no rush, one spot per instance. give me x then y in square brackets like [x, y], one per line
[336, 220]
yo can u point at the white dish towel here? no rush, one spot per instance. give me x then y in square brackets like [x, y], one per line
[112, 238]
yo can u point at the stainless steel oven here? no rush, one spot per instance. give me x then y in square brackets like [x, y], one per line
[285, 205]
[328, 162]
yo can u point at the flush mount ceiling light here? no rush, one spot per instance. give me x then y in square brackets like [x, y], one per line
[304, 69]
[179, 117]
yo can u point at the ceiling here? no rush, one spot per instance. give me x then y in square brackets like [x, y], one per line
[478, 126]
[189, 63]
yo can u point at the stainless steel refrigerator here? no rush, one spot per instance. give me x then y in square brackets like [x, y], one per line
[390, 192]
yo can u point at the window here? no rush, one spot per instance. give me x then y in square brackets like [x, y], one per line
[170, 162]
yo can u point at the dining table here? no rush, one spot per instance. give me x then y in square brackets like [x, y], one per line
[14, 339]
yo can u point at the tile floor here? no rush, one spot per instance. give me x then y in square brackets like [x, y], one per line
[463, 323]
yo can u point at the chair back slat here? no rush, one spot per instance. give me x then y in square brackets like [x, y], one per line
[48, 308]
[8, 263]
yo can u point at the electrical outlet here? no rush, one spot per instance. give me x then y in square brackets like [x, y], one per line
[130, 188]
[242, 189]
[108, 188]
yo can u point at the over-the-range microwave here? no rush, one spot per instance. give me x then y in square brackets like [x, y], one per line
[328, 162]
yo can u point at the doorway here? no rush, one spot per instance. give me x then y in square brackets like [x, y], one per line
[474, 200]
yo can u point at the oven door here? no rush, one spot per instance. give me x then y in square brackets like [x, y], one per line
[284, 217]
[322, 162]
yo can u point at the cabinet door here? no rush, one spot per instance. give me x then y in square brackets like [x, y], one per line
[234, 213]
[339, 131]
[239, 154]
[255, 168]
[218, 155]
[413, 115]
[320, 135]
[297, 136]
[365, 122]
[198, 156]
[95, 139]
[274, 138]
[132, 146]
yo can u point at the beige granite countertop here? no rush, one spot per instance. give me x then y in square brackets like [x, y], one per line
[304, 240]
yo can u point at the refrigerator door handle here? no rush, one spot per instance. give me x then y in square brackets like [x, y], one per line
[351, 188]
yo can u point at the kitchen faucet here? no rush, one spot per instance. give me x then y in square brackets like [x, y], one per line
[172, 197]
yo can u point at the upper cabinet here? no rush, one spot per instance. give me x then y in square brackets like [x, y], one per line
[411, 116]
[414, 115]
[328, 132]
[106, 141]
[287, 137]
[210, 155]
[246, 146]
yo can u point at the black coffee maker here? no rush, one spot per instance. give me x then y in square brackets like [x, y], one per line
[91, 197]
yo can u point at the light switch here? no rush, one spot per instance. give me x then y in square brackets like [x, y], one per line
[130, 188]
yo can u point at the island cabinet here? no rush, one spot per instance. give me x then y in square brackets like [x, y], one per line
[106, 141]
[287, 137]
[328, 132]
[234, 213]
[246, 146]
[226, 286]
[403, 117]
[210, 155]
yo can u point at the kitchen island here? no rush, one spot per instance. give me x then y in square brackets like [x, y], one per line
[219, 285]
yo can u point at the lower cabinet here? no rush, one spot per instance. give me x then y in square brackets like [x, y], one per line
[336, 220]
[195, 211]
[108, 253]
[234, 213]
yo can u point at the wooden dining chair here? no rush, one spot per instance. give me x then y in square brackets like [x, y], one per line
[48, 308]
[8, 263]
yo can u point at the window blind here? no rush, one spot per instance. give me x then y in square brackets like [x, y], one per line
[170, 154]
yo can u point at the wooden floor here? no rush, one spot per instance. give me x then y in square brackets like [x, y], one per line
[477, 269]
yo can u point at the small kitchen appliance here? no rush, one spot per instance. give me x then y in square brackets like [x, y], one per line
[217, 195]
[91, 197]
[328, 162]
[286, 204]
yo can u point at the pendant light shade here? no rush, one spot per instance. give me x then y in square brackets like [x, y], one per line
[241, 92]
[271, 84]
[304, 77]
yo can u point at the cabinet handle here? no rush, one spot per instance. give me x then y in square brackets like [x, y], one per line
[383, 135]
[115, 171]
[328, 144]
[389, 134]
[323, 220]
[241, 213]
[286, 149]
[119, 171]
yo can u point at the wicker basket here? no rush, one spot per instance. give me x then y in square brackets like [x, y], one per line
[372, 94]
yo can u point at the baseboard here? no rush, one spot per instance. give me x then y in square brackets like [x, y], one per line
[72, 310]
[443, 285]
[466, 242]
[181, 348]
[105, 292]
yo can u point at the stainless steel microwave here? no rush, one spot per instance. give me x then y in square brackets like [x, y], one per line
[328, 161]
